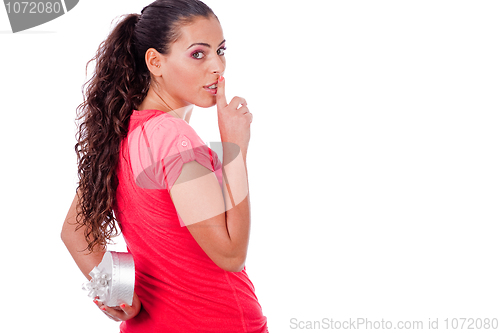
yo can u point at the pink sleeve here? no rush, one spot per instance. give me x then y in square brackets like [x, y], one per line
[160, 147]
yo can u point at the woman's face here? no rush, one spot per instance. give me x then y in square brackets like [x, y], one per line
[195, 62]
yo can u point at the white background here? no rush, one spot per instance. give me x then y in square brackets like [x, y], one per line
[373, 163]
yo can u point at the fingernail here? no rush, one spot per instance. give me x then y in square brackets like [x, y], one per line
[221, 78]
[96, 301]
[103, 309]
[122, 306]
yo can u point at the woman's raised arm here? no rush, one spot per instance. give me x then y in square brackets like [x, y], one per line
[220, 220]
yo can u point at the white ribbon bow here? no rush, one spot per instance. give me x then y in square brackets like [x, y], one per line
[98, 285]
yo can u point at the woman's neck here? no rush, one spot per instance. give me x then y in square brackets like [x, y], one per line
[154, 101]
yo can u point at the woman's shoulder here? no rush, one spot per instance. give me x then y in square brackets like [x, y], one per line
[153, 121]
[165, 127]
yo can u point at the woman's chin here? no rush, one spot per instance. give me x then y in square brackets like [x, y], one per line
[206, 104]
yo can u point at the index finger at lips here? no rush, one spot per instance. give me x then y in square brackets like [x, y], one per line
[221, 92]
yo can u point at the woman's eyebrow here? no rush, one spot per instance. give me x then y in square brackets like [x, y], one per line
[205, 44]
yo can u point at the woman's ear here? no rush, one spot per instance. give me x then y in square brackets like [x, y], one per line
[153, 61]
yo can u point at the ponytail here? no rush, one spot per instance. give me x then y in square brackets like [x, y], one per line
[115, 89]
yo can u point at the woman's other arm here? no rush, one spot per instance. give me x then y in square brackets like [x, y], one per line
[76, 244]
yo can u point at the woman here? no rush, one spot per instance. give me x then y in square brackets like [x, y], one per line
[184, 214]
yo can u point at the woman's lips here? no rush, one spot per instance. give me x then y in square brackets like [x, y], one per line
[213, 91]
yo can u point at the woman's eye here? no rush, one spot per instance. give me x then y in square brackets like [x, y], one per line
[201, 54]
[197, 55]
[221, 51]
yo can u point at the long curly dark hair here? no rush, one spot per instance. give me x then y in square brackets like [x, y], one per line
[120, 83]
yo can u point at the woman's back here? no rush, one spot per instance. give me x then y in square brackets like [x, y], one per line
[180, 287]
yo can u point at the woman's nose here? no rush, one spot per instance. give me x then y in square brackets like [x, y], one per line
[218, 66]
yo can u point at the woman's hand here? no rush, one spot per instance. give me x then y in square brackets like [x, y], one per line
[234, 121]
[122, 312]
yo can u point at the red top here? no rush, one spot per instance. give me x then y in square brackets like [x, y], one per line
[180, 287]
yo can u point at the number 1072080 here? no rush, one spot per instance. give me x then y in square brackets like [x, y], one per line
[47, 7]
